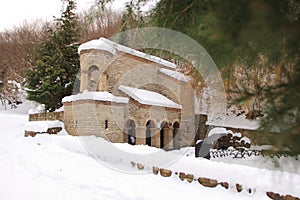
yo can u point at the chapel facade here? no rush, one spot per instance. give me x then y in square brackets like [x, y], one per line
[129, 96]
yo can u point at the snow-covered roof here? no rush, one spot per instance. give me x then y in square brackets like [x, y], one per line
[217, 131]
[98, 96]
[174, 74]
[148, 97]
[112, 47]
[232, 121]
[97, 44]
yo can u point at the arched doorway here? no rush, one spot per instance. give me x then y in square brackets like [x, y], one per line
[176, 126]
[130, 130]
[163, 125]
[149, 125]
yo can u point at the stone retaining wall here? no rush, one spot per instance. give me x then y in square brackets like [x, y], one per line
[47, 116]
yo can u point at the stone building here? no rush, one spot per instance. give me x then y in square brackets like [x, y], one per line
[129, 96]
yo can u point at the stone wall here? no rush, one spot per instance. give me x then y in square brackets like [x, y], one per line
[47, 116]
[97, 118]
[200, 121]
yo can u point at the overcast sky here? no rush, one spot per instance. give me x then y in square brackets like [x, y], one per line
[14, 12]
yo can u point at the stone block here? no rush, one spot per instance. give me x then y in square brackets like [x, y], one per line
[238, 187]
[155, 170]
[274, 196]
[30, 133]
[140, 166]
[206, 182]
[190, 178]
[165, 172]
[132, 164]
[224, 184]
[182, 176]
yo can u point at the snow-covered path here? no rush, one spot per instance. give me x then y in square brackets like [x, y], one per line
[58, 167]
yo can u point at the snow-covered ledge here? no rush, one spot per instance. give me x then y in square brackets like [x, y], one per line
[97, 96]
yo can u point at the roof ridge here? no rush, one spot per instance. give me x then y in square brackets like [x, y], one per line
[111, 46]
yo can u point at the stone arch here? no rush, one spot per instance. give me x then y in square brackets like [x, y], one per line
[162, 89]
[130, 135]
[163, 126]
[149, 124]
[93, 78]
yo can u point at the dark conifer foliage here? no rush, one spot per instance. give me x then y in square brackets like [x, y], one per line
[56, 61]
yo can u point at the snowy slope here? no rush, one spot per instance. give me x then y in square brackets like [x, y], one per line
[62, 167]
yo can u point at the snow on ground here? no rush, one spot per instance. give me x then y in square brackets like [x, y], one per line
[68, 167]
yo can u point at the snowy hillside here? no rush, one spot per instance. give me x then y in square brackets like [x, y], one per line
[67, 167]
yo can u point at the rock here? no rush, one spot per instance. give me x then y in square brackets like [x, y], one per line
[236, 138]
[155, 170]
[30, 133]
[236, 144]
[54, 130]
[189, 178]
[238, 187]
[274, 196]
[132, 164]
[289, 197]
[206, 182]
[165, 172]
[182, 176]
[247, 145]
[140, 166]
[224, 184]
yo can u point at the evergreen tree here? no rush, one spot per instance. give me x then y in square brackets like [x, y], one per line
[56, 61]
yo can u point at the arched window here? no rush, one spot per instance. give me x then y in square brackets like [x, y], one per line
[93, 73]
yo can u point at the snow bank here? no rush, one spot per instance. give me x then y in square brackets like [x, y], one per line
[98, 96]
[42, 126]
[38, 109]
[148, 97]
[67, 167]
[110, 46]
